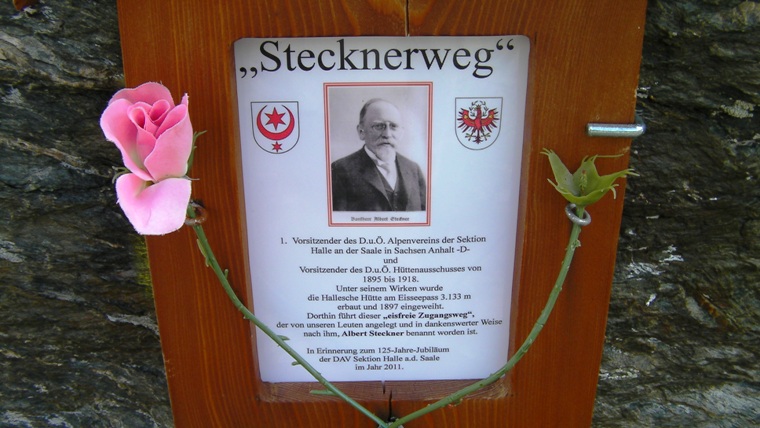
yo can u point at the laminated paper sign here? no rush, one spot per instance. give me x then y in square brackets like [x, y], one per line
[381, 179]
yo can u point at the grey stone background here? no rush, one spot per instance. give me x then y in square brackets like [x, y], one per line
[79, 344]
[682, 336]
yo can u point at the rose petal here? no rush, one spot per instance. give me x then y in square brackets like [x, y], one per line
[172, 118]
[173, 147]
[149, 93]
[159, 110]
[155, 209]
[120, 130]
[145, 145]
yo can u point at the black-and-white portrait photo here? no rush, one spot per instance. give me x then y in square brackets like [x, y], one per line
[378, 140]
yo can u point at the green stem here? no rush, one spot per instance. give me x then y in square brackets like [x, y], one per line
[457, 396]
[280, 340]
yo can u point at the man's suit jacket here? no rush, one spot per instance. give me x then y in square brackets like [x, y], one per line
[358, 186]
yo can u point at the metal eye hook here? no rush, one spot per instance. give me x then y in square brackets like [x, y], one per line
[200, 215]
[570, 212]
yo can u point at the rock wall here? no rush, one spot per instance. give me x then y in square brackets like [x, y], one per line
[79, 345]
[78, 339]
[682, 335]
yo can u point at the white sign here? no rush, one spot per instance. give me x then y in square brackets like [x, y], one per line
[381, 180]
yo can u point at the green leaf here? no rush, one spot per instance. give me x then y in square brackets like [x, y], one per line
[192, 151]
[562, 175]
[118, 172]
[585, 186]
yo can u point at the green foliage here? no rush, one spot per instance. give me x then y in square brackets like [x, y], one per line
[585, 186]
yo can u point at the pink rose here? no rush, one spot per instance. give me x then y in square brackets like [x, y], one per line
[155, 138]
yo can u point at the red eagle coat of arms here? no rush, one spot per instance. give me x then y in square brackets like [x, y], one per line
[478, 121]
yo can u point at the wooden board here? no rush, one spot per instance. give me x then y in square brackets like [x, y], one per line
[584, 68]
